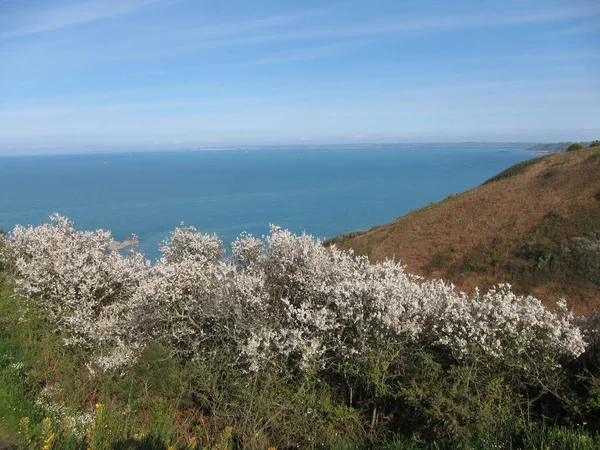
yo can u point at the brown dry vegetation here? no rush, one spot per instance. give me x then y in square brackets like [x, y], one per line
[513, 229]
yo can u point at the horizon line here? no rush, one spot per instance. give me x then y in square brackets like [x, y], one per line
[14, 151]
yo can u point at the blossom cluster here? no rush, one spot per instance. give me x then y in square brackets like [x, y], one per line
[77, 278]
[283, 299]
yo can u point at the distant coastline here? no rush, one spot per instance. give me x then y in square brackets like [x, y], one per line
[555, 147]
[23, 152]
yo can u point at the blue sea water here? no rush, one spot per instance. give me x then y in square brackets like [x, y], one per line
[324, 192]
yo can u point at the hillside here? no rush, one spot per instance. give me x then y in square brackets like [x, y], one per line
[550, 148]
[555, 147]
[535, 225]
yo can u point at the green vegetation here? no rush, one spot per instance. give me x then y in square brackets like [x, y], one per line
[595, 144]
[551, 253]
[575, 146]
[439, 261]
[582, 255]
[413, 400]
[517, 169]
[483, 257]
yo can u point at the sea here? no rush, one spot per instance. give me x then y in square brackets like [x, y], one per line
[321, 191]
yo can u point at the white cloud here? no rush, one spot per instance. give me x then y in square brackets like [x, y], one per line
[63, 15]
[304, 54]
[255, 32]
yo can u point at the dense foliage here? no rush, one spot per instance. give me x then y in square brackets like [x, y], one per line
[310, 336]
[287, 299]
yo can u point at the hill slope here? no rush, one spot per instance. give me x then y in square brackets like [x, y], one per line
[535, 225]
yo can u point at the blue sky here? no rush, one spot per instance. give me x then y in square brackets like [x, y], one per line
[89, 74]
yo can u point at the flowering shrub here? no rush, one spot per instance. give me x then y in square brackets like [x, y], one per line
[185, 243]
[284, 300]
[335, 306]
[77, 278]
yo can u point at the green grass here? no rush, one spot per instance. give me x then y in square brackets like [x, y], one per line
[517, 169]
[15, 401]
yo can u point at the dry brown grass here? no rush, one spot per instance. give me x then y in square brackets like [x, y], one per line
[471, 239]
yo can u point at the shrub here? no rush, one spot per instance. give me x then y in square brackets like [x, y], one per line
[79, 280]
[583, 254]
[575, 146]
[285, 326]
[285, 298]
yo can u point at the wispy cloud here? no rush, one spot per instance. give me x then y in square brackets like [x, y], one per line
[305, 54]
[249, 25]
[578, 29]
[67, 14]
[72, 109]
[258, 32]
[432, 89]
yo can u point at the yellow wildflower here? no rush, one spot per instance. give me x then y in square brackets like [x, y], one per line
[47, 423]
[49, 440]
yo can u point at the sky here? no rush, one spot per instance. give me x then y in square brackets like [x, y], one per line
[137, 74]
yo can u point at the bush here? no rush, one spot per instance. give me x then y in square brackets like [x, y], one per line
[595, 144]
[575, 146]
[583, 254]
[287, 340]
[286, 300]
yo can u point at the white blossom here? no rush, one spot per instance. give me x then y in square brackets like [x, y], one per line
[283, 300]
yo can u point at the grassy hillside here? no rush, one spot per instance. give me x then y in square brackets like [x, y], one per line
[536, 225]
